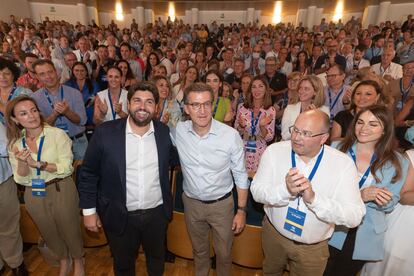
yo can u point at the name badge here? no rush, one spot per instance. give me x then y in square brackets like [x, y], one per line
[38, 187]
[251, 146]
[294, 221]
[63, 126]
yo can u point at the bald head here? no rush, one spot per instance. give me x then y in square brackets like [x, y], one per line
[317, 118]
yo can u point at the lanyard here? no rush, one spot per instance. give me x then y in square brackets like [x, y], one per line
[50, 100]
[404, 92]
[215, 107]
[110, 103]
[163, 108]
[254, 122]
[39, 152]
[11, 93]
[332, 105]
[365, 176]
[314, 169]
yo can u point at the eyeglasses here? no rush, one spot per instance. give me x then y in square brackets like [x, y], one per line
[304, 133]
[332, 76]
[294, 80]
[197, 106]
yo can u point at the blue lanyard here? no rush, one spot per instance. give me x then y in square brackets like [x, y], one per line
[254, 122]
[39, 152]
[50, 100]
[404, 92]
[365, 176]
[110, 103]
[215, 107]
[12, 93]
[314, 169]
[163, 108]
[332, 105]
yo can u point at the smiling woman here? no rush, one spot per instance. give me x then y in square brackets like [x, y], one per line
[382, 172]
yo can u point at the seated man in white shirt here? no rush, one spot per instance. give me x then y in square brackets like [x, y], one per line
[386, 68]
[306, 188]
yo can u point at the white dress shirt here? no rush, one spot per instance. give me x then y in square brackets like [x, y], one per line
[290, 114]
[394, 70]
[142, 176]
[337, 197]
[210, 163]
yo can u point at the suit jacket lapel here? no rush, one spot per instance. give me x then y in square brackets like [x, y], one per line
[158, 141]
[119, 144]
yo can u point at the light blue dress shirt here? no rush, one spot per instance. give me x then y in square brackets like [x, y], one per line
[210, 163]
[75, 100]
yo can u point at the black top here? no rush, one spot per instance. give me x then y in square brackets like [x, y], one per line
[340, 60]
[344, 119]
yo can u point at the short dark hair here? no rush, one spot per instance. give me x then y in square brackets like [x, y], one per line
[144, 86]
[125, 44]
[5, 63]
[197, 87]
[26, 55]
[41, 62]
[360, 47]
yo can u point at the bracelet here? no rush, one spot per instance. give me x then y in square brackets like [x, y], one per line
[244, 209]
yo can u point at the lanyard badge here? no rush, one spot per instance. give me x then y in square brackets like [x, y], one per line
[38, 184]
[251, 145]
[295, 219]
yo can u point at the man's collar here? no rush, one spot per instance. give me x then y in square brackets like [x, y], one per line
[128, 129]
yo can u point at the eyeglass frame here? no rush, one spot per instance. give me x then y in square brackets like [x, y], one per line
[302, 132]
[197, 106]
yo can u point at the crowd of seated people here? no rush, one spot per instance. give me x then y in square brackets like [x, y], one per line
[262, 77]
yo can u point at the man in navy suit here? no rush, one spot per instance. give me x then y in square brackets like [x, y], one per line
[124, 184]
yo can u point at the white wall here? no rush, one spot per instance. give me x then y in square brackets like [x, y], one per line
[399, 12]
[54, 11]
[225, 17]
[20, 8]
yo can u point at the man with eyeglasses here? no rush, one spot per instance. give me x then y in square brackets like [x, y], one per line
[307, 188]
[336, 92]
[212, 160]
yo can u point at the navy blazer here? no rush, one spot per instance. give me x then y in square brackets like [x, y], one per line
[102, 182]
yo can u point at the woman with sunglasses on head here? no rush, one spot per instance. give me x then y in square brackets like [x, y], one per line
[310, 96]
[382, 173]
[88, 88]
[41, 158]
[111, 103]
[365, 94]
[255, 122]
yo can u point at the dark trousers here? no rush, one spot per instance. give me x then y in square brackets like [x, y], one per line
[146, 227]
[340, 262]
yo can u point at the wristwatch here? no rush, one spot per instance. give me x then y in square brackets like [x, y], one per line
[244, 209]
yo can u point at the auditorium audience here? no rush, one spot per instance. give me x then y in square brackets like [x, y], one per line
[359, 68]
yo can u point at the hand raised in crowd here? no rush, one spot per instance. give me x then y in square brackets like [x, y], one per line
[21, 155]
[165, 118]
[347, 97]
[118, 107]
[102, 106]
[265, 120]
[312, 107]
[381, 196]
[298, 184]
[62, 107]
[92, 222]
